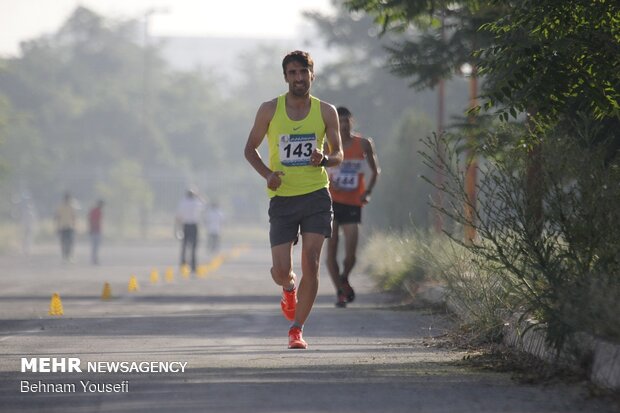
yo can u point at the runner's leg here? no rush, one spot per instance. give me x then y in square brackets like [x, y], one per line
[282, 269]
[193, 244]
[332, 257]
[312, 244]
[350, 247]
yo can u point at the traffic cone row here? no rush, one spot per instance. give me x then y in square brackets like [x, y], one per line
[56, 308]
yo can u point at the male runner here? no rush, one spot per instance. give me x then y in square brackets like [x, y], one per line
[349, 193]
[296, 125]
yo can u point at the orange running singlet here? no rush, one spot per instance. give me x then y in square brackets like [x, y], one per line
[347, 180]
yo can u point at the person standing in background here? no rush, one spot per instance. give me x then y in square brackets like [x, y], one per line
[94, 228]
[349, 193]
[66, 218]
[188, 216]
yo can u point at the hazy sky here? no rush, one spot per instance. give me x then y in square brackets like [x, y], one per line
[25, 19]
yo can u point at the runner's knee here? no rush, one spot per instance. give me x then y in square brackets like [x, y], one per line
[281, 275]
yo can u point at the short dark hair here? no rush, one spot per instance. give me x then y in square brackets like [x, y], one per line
[298, 56]
[343, 112]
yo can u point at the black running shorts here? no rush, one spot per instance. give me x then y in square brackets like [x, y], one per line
[347, 214]
[289, 215]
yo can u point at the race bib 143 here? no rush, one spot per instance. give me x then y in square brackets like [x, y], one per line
[295, 150]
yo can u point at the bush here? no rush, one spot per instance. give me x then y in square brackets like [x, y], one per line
[558, 263]
[393, 260]
[401, 262]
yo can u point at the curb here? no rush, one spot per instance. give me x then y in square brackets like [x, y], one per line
[606, 365]
[603, 355]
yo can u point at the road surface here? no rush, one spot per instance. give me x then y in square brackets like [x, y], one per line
[225, 342]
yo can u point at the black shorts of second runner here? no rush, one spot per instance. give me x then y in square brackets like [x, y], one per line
[288, 215]
[347, 214]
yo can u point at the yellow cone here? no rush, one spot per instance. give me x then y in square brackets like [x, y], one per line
[56, 305]
[169, 275]
[216, 262]
[154, 276]
[133, 284]
[202, 271]
[185, 271]
[107, 292]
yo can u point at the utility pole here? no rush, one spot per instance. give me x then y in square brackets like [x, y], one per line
[146, 77]
[146, 112]
[441, 93]
[471, 173]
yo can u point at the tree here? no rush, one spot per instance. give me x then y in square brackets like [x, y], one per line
[77, 108]
[439, 39]
[550, 228]
[127, 194]
[555, 56]
[558, 61]
[73, 95]
[4, 110]
[421, 52]
[402, 197]
[358, 78]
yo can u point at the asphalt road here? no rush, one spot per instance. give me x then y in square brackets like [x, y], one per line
[226, 330]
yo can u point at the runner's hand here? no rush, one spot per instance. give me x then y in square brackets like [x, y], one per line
[365, 198]
[274, 181]
[316, 157]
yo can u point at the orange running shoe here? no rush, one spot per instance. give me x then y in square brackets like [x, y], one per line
[295, 340]
[289, 303]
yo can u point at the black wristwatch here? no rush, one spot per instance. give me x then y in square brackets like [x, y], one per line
[324, 161]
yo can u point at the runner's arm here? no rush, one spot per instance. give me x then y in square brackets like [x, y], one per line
[332, 133]
[257, 135]
[373, 163]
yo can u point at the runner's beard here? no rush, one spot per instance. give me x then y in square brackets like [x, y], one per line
[300, 89]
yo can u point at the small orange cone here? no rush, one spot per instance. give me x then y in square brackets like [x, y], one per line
[216, 262]
[107, 292]
[185, 271]
[169, 275]
[133, 284]
[56, 305]
[202, 271]
[154, 276]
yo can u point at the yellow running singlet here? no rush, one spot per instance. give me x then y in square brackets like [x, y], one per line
[290, 145]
